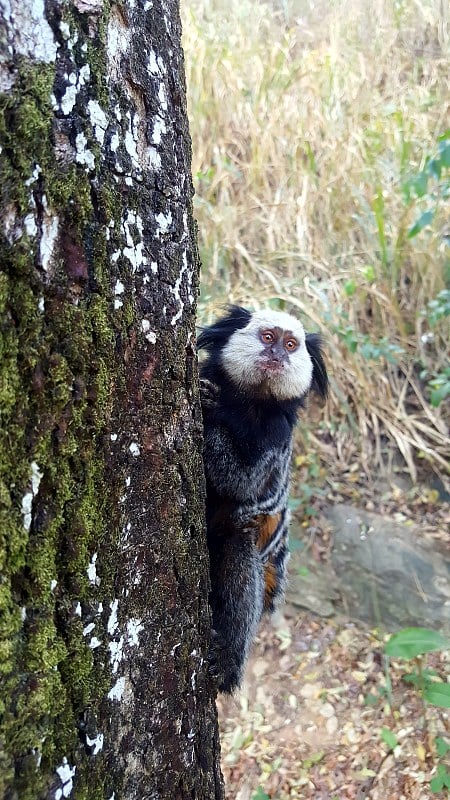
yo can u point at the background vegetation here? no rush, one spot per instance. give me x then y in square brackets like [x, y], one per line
[321, 149]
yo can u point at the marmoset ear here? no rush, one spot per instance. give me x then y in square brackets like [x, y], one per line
[217, 335]
[319, 383]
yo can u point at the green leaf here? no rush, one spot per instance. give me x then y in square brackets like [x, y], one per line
[369, 272]
[442, 746]
[439, 394]
[435, 167]
[350, 287]
[419, 184]
[438, 694]
[371, 699]
[260, 794]
[389, 738]
[412, 642]
[425, 219]
[315, 758]
[441, 779]
[436, 784]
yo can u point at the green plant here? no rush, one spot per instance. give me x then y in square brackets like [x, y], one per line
[389, 738]
[442, 777]
[412, 644]
[431, 184]
[437, 310]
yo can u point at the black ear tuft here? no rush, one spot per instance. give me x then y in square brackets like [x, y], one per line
[217, 335]
[320, 377]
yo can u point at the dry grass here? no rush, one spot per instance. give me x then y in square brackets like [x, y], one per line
[308, 119]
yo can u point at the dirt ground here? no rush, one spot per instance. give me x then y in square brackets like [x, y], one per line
[308, 720]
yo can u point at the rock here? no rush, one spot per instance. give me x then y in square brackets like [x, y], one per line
[388, 573]
[380, 571]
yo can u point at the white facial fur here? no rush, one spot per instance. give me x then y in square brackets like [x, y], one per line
[242, 353]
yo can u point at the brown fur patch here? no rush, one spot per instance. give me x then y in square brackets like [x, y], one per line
[270, 580]
[266, 526]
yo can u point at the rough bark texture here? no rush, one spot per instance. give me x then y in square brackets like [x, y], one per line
[103, 590]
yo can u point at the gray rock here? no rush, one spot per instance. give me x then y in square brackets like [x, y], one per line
[380, 571]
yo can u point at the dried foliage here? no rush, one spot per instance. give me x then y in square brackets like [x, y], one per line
[313, 127]
[322, 717]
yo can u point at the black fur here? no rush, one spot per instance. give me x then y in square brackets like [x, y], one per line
[314, 346]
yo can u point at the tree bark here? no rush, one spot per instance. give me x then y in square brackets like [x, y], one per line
[104, 571]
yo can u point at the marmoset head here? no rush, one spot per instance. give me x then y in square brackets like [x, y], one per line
[267, 353]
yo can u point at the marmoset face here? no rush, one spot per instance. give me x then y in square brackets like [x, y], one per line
[269, 356]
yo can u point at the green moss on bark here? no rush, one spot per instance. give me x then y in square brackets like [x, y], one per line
[57, 375]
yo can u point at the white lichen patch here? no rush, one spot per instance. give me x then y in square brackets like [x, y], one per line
[162, 95]
[92, 571]
[75, 82]
[116, 654]
[49, 235]
[94, 643]
[119, 288]
[134, 251]
[88, 629]
[77, 610]
[155, 65]
[26, 25]
[98, 119]
[159, 129]
[131, 138]
[34, 176]
[36, 477]
[66, 774]
[135, 255]
[53, 585]
[84, 155]
[116, 692]
[30, 226]
[68, 99]
[115, 142]
[134, 627]
[96, 742]
[134, 449]
[27, 499]
[163, 222]
[153, 158]
[185, 274]
[64, 27]
[149, 334]
[112, 621]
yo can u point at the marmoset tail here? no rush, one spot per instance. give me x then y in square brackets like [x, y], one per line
[259, 370]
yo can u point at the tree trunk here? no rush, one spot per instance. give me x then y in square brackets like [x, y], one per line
[104, 615]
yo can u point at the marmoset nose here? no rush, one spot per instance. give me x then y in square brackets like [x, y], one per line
[275, 352]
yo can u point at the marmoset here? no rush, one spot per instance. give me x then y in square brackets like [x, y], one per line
[260, 367]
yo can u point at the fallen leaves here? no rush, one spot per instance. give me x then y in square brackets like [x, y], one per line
[301, 727]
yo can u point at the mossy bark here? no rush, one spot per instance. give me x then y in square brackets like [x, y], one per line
[103, 591]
